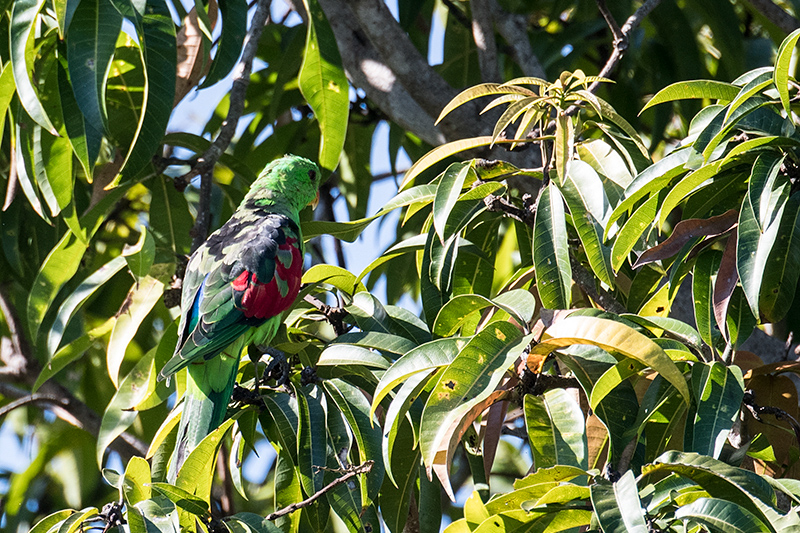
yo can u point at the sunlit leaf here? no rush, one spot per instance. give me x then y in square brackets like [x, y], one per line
[550, 251]
[684, 90]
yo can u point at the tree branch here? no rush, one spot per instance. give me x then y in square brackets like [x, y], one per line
[241, 80]
[483, 34]
[621, 35]
[776, 15]
[334, 315]
[514, 29]
[350, 473]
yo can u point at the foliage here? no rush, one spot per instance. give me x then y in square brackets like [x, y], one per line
[545, 276]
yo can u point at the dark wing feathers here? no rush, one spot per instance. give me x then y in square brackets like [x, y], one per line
[248, 242]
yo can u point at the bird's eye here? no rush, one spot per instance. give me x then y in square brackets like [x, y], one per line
[312, 174]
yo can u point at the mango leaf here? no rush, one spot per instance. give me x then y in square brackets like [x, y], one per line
[136, 481]
[197, 472]
[473, 375]
[685, 90]
[343, 354]
[759, 222]
[76, 520]
[99, 23]
[687, 186]
[715, 514]
[23, 19]
[705, 270]
[469, 206]
[720, 480]
[334, 275]
[447, 193]
[324, 85]
[782, 65]
[376, 340]
[78, 297]
[651, 180]
[438, 263]
[370, 315]
[284, 412]
[718, 392]
[550, 251]
[726, 281]
[119, 416]
[439, 153]
[756, 85]
[685, 231]
[140, 301]
[632, 231]
[424, 358]
[564, 145]
[50, 521]
[158, 52]
[354, 406]
[395, 432]
[588, 204]
[517, 302]
[783, 265]
[72, 351]
[311, 438]
[617, 505]
[231, 39]
[556, 429]
[484, 89]
[612, 336]
[183, 499]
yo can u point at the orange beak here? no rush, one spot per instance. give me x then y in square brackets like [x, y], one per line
[315, 201]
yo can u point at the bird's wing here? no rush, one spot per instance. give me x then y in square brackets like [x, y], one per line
[247, 272]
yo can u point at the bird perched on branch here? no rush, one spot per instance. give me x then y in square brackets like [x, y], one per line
[237, 284]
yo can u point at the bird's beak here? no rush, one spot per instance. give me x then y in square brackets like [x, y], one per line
[315, 201]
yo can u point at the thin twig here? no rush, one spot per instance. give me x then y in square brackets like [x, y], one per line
[611, 21]
[351, 472]
[33, 398]
[241, 79]
[621, 36]
[334, 315]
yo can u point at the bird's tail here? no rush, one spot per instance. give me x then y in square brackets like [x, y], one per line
[208, 390]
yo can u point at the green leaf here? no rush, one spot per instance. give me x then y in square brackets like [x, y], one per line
[23, 19]
[58, 267]
[78, 298]
[782, 65]
[439, 153]
[424, 358]
[685, 90]
[438, 263]
[378, 341]
[158, 47]
[617, 505]
[183, 499]
[447, 193]
[136, 481]
[197, 471]
[91, 40]
[783, 265]
[356, 410]
[759, 222]
[588, 204]
[7, 91]
[311, 438]
[284, 412]
[721, 515]
[550, 251]
[141, 300]
[172, 221]
[632, 231]
[50, 521]
[140, 256]
[77, 520]
[612, 336]
[324, 85]
[334, 275]
[484, 89]
[564, 145]
[84, 139]
[517, 302]
[651, 180]
[472, 376]
[703, 275]
[556, 429]
[231, 40]
[371, 315]
[688, 185]
[718, 392]
[720, 480]
[344, 354]
[119, 414]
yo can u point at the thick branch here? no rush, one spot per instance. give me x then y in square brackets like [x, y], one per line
[514, 29]
[586, 281]
[776, 15]
[241, 79]
[483, 34]
[351, 473]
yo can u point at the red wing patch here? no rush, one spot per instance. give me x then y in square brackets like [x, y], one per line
[265, 300]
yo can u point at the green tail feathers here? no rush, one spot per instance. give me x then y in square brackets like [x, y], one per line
[205, 403]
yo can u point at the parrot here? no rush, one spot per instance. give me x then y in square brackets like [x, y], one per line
[237, 285]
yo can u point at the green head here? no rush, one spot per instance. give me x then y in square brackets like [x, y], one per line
[290, 183]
